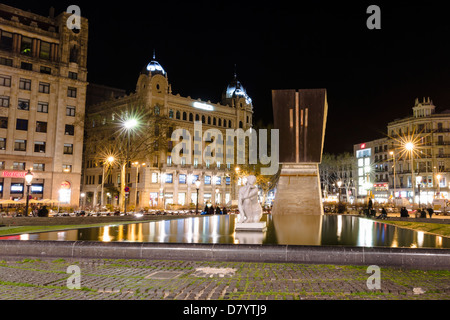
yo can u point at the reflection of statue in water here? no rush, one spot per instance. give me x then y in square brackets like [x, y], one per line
[250, 210]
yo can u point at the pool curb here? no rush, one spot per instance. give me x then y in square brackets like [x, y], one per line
[337, 255]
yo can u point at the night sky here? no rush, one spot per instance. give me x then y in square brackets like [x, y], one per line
[372, 76]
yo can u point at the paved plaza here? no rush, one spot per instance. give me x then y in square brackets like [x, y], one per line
[119, 279]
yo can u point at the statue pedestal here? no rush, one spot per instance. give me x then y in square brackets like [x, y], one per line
[255, 226]
[298, 190]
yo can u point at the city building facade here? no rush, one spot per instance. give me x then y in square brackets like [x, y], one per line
[412, 162]
[152, 178]
[43, 80]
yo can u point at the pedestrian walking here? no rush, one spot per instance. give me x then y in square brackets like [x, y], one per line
[224, 210]
[430, 212]
[218, 211]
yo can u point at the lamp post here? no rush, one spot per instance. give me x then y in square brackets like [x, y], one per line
[197, 186]
[129, 125]
[28, 179]
[339, 184]
[82, 195]
[217, 194]
[110, 160]
[419, 182]
[410, 147]
[438, 185]
[393, 157]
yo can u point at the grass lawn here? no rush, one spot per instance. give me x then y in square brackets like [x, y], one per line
[5, 231]
[436, 228]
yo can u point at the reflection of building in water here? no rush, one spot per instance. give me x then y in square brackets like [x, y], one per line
[298, 229]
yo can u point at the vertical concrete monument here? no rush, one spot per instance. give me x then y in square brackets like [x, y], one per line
[300, 116]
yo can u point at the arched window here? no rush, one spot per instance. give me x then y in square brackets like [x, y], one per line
[197, 117]
[209, 120]
[156, 110]
[214, 121]
[178, 115]
[225, 123]
[240, 124]
[184, 116]
[203, 119]
[229, 124]
[220, 122]
[191, 117]
[171, 114]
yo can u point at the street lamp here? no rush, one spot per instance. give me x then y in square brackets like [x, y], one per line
[197, 186]
[409, 146]
[217, 194]
[393, 157]
[129, 125]
[419, 182]
[82, 195]
[28, 179]
[110, 160]
[137, 164]
[439, 185]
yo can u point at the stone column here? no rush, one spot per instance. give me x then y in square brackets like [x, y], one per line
[298, 190]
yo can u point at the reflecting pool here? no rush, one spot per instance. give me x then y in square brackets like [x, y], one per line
[291, 230]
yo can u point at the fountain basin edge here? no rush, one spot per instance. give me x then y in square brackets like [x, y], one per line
[417, 258]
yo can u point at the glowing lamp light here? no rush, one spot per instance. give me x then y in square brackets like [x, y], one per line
[110, 159]
[409, 146]
[28, 177]
[203, 106]
[197, 184]
[363, 146]
[130, 123]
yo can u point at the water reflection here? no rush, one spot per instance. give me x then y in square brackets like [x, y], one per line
[286, 229]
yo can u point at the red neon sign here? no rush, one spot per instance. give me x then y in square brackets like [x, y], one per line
[14, 174]
[363, 146]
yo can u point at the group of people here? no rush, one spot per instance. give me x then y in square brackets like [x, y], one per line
[211, 210]
[422, 212]
[40, 212]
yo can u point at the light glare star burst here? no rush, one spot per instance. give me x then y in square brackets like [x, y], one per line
[409, 145]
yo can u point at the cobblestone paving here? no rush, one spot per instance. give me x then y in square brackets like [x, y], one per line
[107, 279]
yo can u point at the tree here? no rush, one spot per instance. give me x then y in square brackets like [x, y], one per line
[106, 134]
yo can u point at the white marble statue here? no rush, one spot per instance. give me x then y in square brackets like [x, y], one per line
[250, 210]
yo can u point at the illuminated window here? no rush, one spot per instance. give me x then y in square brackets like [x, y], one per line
[25, 46]
[44, 52]
[39, 146]
[68, 148]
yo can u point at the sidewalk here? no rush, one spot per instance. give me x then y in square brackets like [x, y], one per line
[120, 279]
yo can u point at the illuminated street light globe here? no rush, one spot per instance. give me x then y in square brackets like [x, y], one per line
[130, 123]
[110, 159]
[409, 146]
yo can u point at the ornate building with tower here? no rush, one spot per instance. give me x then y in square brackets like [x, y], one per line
[152, 177]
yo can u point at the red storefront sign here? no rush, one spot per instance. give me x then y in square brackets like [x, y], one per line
[13, 174]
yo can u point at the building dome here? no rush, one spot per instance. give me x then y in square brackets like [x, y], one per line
[235, 90]
[154, 68]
